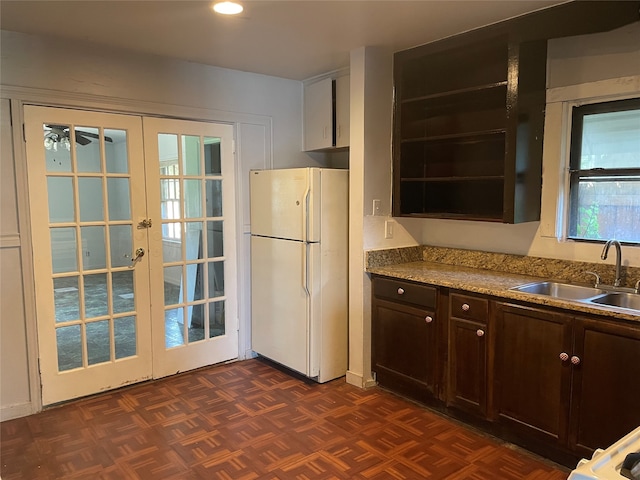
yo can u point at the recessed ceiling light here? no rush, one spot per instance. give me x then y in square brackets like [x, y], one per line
[227, 8]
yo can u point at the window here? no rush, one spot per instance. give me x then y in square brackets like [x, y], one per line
[604, 191]
[170, 201]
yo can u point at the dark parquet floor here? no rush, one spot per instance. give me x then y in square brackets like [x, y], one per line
[249, 420]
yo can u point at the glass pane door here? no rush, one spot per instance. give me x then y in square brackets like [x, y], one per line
[92, 297]
[191, 174]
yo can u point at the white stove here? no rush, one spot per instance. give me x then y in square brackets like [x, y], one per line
[606, 464]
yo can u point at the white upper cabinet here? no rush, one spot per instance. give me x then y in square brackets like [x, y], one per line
[342, 110]
[326, 114]
[318, 113]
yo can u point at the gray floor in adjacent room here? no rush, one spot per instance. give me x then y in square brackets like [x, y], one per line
[97, 333]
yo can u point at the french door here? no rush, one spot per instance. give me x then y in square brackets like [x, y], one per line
[190, 177]
[133, 237]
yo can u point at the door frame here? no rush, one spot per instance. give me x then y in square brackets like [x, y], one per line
[249, 129]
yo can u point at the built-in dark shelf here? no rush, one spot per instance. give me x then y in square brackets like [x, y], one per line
[456, 136]
[455, 150]
[453, 179]
[460, 92]
[469, 115]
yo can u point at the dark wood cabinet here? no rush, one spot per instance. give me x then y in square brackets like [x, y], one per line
[468, 337]
[532, 382]
[554, 382]
[404, 338]
[605, 400]
[563, 381]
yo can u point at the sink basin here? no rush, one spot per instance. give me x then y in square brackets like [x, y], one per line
[623, 300]
[560, 290]
[580, 293]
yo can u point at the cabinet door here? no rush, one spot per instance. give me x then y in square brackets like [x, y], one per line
[606, 384]
[467, 366]
[404, 348]
[343, 107]
[532, 382]
[318, 115]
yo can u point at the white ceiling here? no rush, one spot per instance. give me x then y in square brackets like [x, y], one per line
[295, 39]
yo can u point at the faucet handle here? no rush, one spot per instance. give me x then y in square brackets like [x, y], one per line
[637, 287]
[597, 284]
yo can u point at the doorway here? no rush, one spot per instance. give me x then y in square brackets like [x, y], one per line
[133, 221]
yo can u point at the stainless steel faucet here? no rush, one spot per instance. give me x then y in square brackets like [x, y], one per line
[605, 251]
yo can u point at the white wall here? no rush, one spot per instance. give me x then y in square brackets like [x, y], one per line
[266, 111]
[589, 58]
[370, 178]
[27, 61]
[356, 374]
[15, 394]
[576, 63]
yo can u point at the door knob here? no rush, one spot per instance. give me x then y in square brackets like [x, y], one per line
[400, 291]
[575, 360]
[564, 356]
[480, 332]
[428, 319]
[139, 255]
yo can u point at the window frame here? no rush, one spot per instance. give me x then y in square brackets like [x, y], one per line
[170, 202]
[575, 174]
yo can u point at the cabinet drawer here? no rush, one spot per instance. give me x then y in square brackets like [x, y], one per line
[472, 308]
[405, 292]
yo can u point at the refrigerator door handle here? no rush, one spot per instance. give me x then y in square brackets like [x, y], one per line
[305, 270]
[305, 218]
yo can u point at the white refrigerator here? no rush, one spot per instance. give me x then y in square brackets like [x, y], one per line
[299, 269]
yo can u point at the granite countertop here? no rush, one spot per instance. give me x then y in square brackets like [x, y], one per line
[489, 282]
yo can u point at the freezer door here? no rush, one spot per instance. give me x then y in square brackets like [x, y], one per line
[280, 302]
[284, 203]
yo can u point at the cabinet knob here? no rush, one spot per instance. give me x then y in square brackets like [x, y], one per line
[564, 356]
[480, 332]
[575, 360]
[400, 291]
[465, 307]
[428, 319]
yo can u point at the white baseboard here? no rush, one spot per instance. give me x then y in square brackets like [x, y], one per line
[359, 381]
[15, 411]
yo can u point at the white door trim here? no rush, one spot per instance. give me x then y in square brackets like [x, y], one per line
[19, 96]
[55, 98]
[26, 256]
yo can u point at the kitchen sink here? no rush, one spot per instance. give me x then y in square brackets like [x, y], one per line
[583, 294]
[622, 300]
[560, 290]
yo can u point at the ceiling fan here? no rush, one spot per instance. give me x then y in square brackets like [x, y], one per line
[60, 134]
